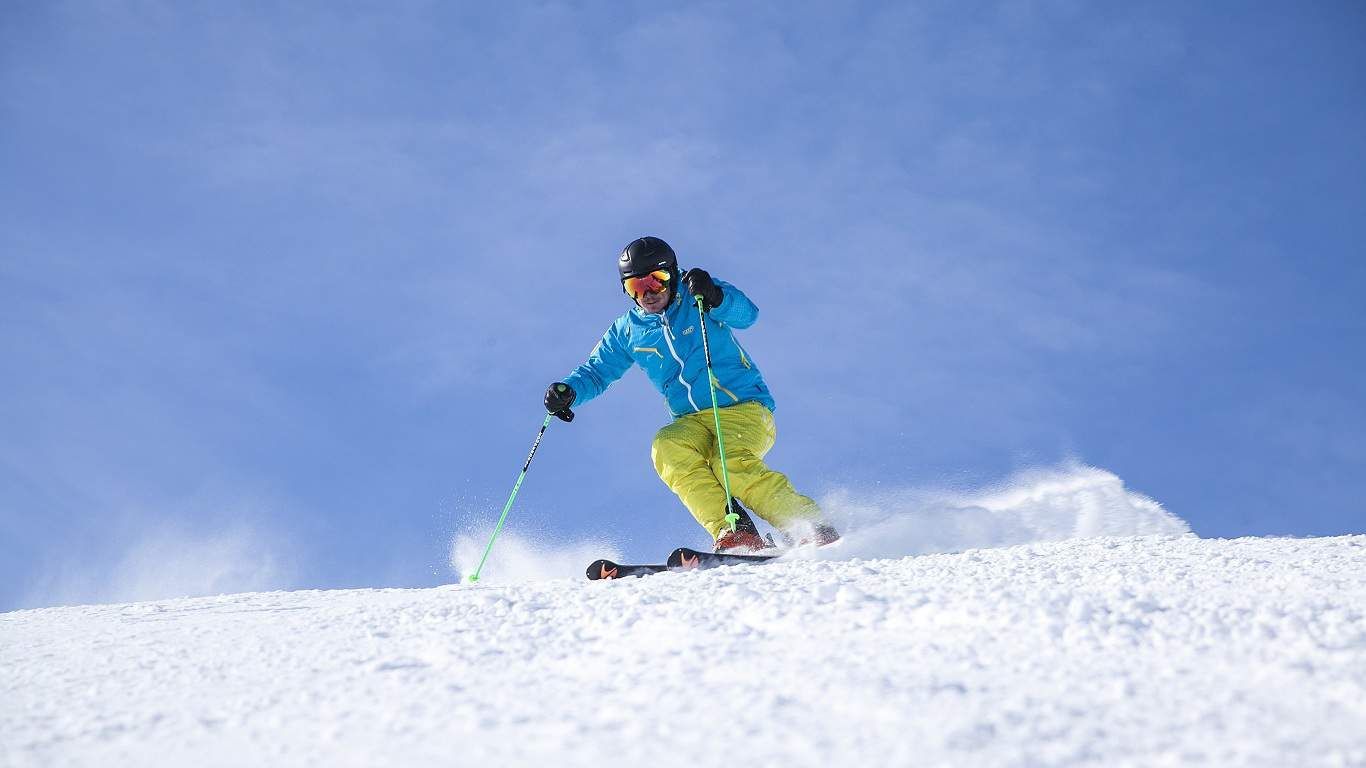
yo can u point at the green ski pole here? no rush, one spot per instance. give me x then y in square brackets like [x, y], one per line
[732, 518]
[568, 416]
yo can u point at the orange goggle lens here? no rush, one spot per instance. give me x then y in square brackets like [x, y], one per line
[655, 282]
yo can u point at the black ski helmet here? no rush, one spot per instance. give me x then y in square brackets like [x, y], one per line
[646, 255]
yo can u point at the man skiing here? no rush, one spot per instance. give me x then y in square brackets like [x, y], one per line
[660, 335]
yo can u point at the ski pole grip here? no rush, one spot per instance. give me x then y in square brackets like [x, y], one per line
[560, 394]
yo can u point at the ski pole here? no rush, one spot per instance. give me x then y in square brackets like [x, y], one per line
[499, 527]
[731, 517]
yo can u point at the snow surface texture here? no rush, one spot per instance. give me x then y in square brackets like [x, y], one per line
[1159, 650]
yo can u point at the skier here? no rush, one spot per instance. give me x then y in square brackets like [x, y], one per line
[660, 335]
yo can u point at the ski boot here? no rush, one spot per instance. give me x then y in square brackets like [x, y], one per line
[823, 534]
[744, 539]
[818, 535]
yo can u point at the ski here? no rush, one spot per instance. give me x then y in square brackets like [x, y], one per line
[606, 569]
[685, 559]
[682, 559]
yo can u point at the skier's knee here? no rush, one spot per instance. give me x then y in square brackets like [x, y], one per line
[667, 451]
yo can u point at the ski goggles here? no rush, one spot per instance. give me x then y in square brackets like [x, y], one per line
[655, 282]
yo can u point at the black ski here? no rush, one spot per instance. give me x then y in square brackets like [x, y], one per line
[682, 559]
[685, 559]
[606, 569]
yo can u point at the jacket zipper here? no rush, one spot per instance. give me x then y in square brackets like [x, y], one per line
[668, 339]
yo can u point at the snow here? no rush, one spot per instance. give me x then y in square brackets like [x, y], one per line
[1151, 650]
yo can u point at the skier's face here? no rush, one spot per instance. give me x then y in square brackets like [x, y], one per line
[654, 303]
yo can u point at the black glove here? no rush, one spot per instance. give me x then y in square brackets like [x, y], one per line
[558, 397]
[700, 284]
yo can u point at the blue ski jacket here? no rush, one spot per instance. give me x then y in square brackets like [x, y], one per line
[668, 347]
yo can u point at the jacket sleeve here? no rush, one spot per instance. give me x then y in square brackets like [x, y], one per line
[735, 310]
[608, 361]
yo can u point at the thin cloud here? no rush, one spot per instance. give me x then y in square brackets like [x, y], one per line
[168, 562]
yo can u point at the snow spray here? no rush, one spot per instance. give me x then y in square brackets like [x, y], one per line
[515, 488]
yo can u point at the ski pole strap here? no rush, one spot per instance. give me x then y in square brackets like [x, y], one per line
[503, 517]
[732, 518]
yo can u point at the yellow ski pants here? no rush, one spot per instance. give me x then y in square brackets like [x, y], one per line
[686, 458]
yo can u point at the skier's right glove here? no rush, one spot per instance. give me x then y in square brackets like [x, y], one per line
[558, 397]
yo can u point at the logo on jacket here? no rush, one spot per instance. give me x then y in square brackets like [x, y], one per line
[687, 330]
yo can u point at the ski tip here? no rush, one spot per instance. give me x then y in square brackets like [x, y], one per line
[603, 569]
[684, 559]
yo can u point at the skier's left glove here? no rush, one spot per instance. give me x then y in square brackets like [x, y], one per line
[700, 284]
[558, 397]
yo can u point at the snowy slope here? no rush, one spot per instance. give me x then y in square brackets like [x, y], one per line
[1111, 651]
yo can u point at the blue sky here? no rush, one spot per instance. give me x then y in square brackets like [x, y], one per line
[281, 286]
